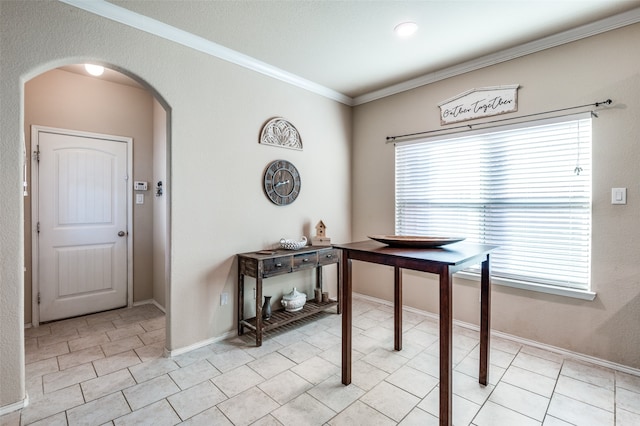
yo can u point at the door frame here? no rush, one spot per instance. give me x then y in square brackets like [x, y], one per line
[35, 249]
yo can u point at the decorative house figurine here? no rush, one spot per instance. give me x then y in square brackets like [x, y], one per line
[321, 239]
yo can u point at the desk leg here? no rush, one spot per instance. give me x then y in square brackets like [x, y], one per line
[319, 280]
[346, 318]
[240, 303]
[485, 321]
[446, 348]
[258, 311]
[397, 309]
[339, 285]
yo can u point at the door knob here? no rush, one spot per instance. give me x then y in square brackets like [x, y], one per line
[121, 234]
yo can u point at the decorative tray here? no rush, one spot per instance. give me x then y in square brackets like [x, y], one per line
[415, 241]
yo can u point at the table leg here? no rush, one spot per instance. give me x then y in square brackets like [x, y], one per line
[240, 303]
[319, 280]
[397, 309]
[485, 321]
[339, 285]
[346, 318]
[259, 311]
[446, 348]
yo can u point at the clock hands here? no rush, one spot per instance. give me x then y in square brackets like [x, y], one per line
[280, 183]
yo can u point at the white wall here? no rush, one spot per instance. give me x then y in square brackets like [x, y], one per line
[583, 72]
[217, 207]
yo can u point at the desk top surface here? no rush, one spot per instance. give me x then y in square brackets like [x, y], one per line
[451, 254]
[272, 253]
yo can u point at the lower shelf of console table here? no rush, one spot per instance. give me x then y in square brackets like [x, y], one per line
[282, 317]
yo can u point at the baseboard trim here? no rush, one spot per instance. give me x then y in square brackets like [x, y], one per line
[564, 352]
[173, 353]
[6, 409]
[150, 302]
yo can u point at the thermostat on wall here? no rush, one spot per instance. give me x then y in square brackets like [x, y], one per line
[139, 185]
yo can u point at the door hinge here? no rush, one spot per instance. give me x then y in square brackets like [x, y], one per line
[38, 228]
[38, 298]
[36, 153]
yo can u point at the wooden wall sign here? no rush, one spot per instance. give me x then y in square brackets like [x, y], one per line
[478, 103]
[279, 132]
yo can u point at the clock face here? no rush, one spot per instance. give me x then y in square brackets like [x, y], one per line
[282, 182]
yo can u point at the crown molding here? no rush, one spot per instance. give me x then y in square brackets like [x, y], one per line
[168, 32]
[588, 30]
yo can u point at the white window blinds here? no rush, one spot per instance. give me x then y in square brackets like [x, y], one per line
[525, 188]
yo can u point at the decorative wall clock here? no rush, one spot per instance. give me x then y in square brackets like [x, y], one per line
[281, 182]
[280, 132]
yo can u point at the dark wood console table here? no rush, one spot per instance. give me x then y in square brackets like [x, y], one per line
[270, 263]
[442, 261]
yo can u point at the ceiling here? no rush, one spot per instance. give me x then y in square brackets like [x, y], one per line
[349, 46]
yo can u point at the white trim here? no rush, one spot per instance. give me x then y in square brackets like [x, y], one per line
[540, 288]
[560, 351]
[6, 409]
[168, 32]
[523, 341]
[575, 34]
[35, 270]
[201, 344]
[129, 142]
[150, 302]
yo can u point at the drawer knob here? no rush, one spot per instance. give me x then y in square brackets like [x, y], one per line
[329, 256]
[305, 259]
[278, 265]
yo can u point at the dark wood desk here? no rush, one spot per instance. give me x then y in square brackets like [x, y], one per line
[444, 262]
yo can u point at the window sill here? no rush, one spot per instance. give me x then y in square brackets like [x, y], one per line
[540, 288]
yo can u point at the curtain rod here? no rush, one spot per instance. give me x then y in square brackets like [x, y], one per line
[470, 126]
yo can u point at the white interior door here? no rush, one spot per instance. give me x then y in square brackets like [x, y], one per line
[82, 215]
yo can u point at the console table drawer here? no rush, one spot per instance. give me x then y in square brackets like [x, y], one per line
[305, 261]
[277, 265]
[327, 257]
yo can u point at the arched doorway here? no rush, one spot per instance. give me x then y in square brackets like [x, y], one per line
[116, 103]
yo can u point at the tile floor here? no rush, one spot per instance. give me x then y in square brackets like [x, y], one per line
[108, 369]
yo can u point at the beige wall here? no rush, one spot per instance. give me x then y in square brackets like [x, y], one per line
[70, 101]
[594, 69]
[217, 205]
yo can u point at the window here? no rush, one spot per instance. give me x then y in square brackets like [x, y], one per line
[525, 188]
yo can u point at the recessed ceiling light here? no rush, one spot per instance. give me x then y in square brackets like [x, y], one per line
[95, 70]
[405, 29]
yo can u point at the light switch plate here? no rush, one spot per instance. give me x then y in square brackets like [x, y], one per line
[139, 198]
[618, 195]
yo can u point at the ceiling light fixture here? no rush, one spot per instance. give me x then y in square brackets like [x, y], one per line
[95, 70]
[406, 29]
